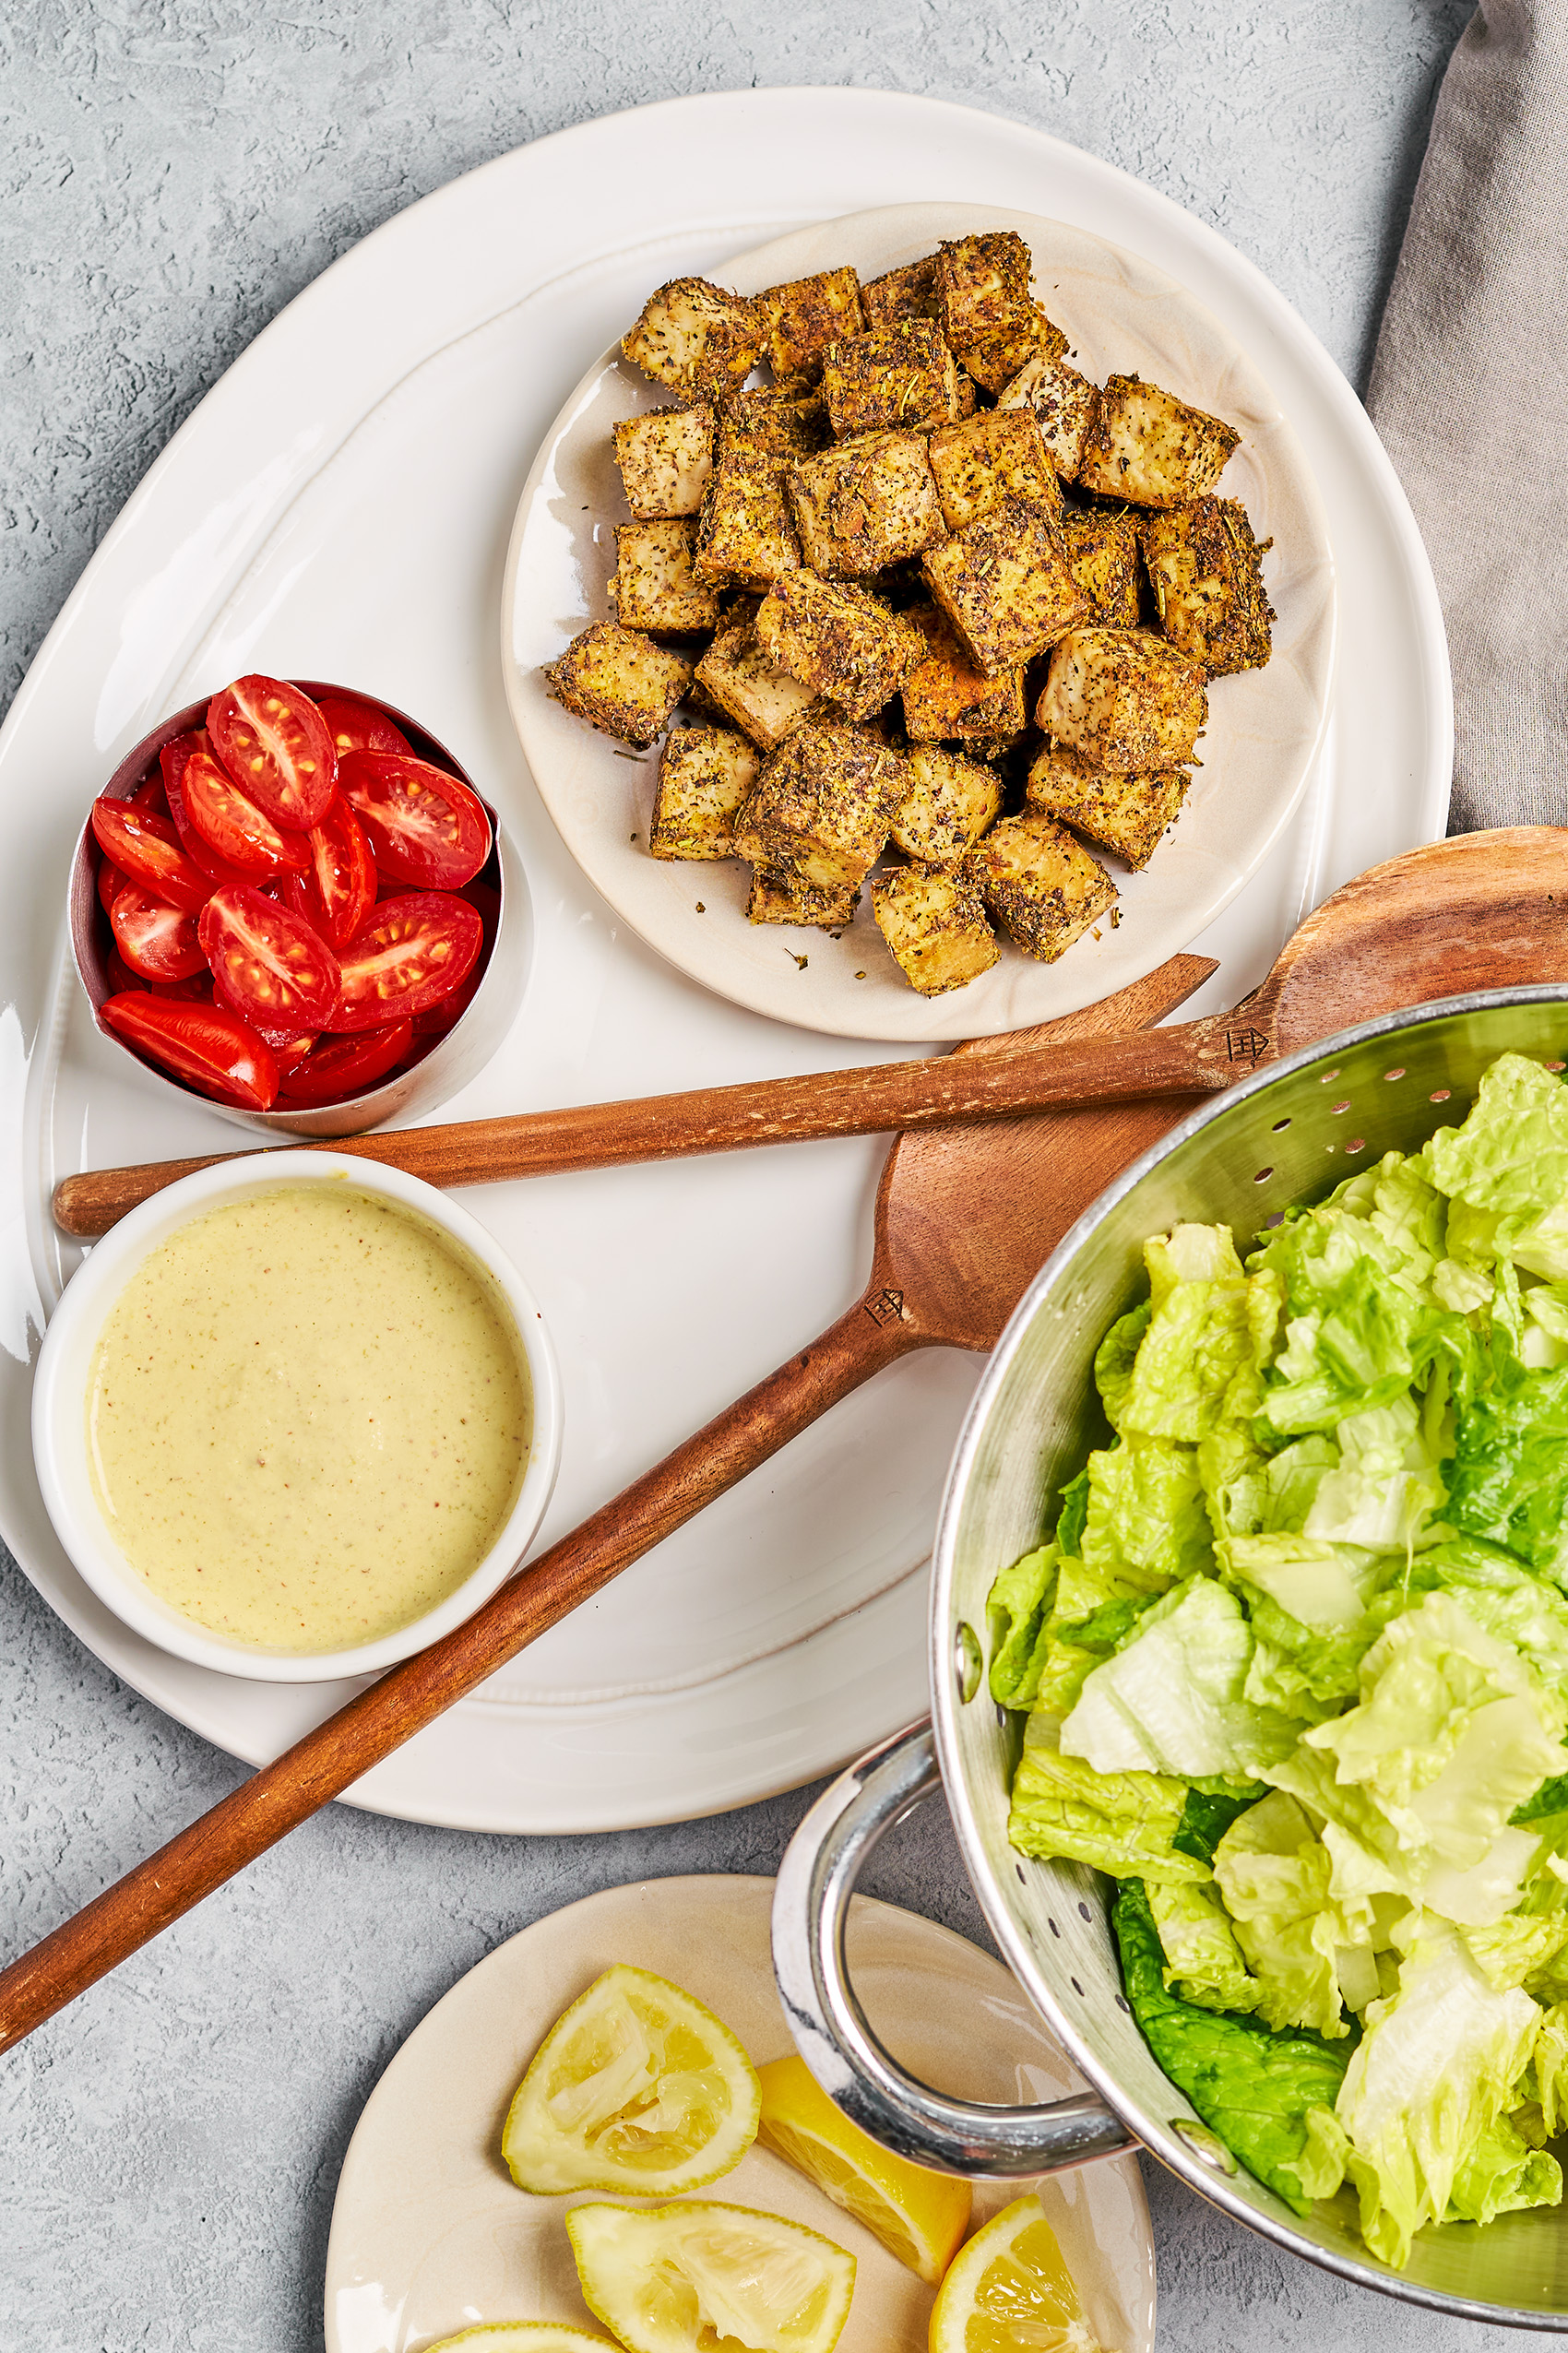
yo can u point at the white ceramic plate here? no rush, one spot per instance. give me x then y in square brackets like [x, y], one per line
[429, 2235]
[1120, 315]
[350, 522]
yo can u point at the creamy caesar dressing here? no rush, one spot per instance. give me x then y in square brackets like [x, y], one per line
[308, 1417]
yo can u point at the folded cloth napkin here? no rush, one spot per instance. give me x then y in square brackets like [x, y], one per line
[1469, 391]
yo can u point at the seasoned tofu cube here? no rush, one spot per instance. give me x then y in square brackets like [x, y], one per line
[745, 538]
[822, 804]
[949, 804]
[1103, 551]
[838, 640]
[696, 337]
[1127, 814]
[804, 317]
[968, 395]
[978, 463]
[620, 682]
[653, 586]
[1043, 888]
[737, 676]
[1006, 585]
[780, 897]
[1206, 572]
[865, 504]
[1065, 404]
[984, 287]
[996, 361]
[947, 699]
[1150, 448]
[934, 921]
[704, 776]
[899, 379]
[914, 291]
[1124, 699]
[780, 425]
[664, 458]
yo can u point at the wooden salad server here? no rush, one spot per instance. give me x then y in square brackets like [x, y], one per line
[963, 1217]
[1484, 910]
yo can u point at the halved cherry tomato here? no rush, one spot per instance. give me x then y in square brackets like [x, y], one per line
[195, 990]
[424, 827]
[111, 883]
[288, 1052]
[343, 1066]
[148, 793]
[121, 977]
[206, 1045]
[230, 823]
[275, 744]
[360, 726]
[414, 951]
[147, 849]
[268, 964]
[157, 941]
[173, 760]
[339, 890]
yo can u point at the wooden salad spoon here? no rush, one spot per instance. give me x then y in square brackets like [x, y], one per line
[1484, 910]
[963, 1217]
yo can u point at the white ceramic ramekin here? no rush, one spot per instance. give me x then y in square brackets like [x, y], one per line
[59, 1414]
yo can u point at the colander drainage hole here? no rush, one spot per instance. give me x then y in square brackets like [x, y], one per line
[1389, 1075]
[1276, 1218]
[1123, 2003]
[1439, 1095]
[1020, 1869]
[1554, 1066]
[1263, 1176]
[1356, 1144]
[1077, 1988]
[1085, 1913]
[1328, 1078]
[1342, 1107]
[1053, 1927]
[1281, 1126]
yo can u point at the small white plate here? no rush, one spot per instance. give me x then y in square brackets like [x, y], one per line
[429, 2235]
[1121, 315]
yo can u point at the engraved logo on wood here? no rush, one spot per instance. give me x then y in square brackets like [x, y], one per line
[1245, 1045]
[887, 1307]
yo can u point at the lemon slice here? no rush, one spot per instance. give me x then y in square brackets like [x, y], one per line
[918, 2215]
[1009, 2288]
[675, 2278]
[637, 2087]
[524, 2337]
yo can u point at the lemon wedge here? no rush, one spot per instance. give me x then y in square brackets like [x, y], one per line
[636, 2088]
[675, 2278]
[1010, 2288]
[920, 2217]
[524, 2337]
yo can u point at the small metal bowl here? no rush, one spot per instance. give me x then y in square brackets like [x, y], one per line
[446, 1065]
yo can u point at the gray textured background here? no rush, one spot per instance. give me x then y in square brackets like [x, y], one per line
[170, 175]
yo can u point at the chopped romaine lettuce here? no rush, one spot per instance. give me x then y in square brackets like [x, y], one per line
[1123, 1823]
[1273, 1870]
[1202, 1961]
[1017, 1607]
[1173, 1700]
[1209, 1814]
[1146, 1523]
[1509, 1477]
[1510, 1161]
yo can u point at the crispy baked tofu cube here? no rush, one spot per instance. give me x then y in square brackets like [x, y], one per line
[914, 291]
[822, 804]
[865, 504]
[1150, 448]
[745, 538]
[780, 425]
[934, 921]
[1006, 585]
[1124, 699]
[978, 463]
[996, 360]
[838, 640]
[664, 458]
[946, 699]
[620, 682]
[899, 379]
[949, 804]
[984, 286]
[696, 337]
[1065, 404]
[1127, 814]
[804, 317]
[703, 775]
[765, 703]
[1103, 551]
[653, 586]
[1206, 572]
[1042, 886]
[778, 896]
[969, 395]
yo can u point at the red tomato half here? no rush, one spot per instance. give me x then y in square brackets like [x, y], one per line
[149, 795]
[111, 883]
[424, 827]
[159, 942]
[339, 890]
[414, 951]
[360, 726]
[147, 849]
[173, 760]
[345, 1066]
[206, 1045]
[274, 743]
[231, 824]
[266, 964]
[121, 977]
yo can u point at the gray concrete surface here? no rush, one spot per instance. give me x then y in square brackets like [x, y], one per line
[171, 172]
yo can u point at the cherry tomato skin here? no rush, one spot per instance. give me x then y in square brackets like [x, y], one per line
[111, 883]
[231, 823]
[149, 795]
[288, 1052]
[147, 849]
[360, 726]
[197, 988]
[342, 1066]
[199, 851]
[270, 967]
[121, 977]
[340, 888]
[206, 1045]
[275, 744]
[159, 942]
[425, 827]
[413, 952]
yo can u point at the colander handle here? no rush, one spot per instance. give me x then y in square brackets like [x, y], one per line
[810, 1908]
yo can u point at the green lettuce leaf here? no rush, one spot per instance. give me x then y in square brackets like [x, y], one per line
[1202, 1961]
[1509, 1477]
[1323, 1585]
[1548, 2069]
[1509, 1162]
[1385, 1485]
[1074, 1511]
[1146, 1520]
[1273, 1870]
[1502, 2173]
[1299, 1671]
[1122, 1823]
[1016, 1607]
[1114, 1360]
[1172, 1700]
[1210, 1330]
[1207, 1815]
[1495, 1588]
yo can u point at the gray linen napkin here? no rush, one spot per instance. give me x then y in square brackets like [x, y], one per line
[1469, 391]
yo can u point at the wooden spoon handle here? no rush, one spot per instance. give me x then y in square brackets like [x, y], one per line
[323, 1765]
